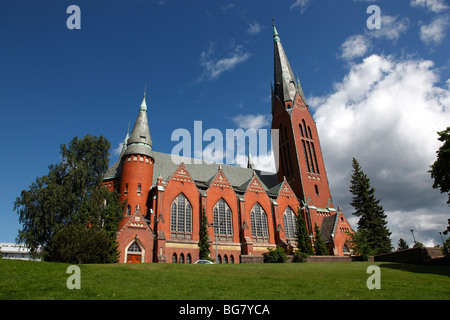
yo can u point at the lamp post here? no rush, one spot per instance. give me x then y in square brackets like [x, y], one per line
[216, 233]
[412, 231]
[443, 243]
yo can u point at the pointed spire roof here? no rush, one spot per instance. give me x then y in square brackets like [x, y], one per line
[285, 84]
[250, 163]
[139, 141]
[125, 142]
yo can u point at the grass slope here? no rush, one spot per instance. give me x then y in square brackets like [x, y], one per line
[43, 280]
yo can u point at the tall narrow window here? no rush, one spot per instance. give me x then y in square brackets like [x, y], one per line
[310, 156]
[181, 218]
[139, 189]
[290, 225]
[304, 127]
[128, 210]
[222, 217]
[306, 156]
[314, 156]
[309, 132]
[308, 148]
[258, 220]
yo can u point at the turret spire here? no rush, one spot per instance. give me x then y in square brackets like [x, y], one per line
[250, 163]
[139, 141]
[285, 84]
[276, 38]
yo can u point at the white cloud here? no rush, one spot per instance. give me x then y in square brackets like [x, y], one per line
[116, 151]
[302, 4]
[355, 46]
[392, 27]
[213, 67]
[431, 5]
[434, 33]
[251, 121]
[359, 45]
[254, 28]
[227, 7]
[211, 153]
[386, 113]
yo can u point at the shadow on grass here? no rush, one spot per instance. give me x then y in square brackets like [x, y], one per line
[418, 268]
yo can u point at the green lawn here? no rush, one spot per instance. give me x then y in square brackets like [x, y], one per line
[290, 281]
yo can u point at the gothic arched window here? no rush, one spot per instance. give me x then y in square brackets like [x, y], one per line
[222, 217]
[181, 218]
[290, 225]
[258, 219]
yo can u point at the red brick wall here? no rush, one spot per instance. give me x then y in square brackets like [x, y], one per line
[136, 229]
[255, 193]
[136, 169]
[303, 183]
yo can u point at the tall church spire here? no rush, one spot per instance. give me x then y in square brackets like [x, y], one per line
[285, 85]
[139, 141]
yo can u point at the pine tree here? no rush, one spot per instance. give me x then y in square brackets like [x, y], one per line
[440, 169]
[371, 214]
[402, 245]
[319, 245]
[203, 244]
[303, 242]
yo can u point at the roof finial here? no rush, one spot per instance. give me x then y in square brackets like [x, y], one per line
[250, 164]
[144, 103]
[276, 38]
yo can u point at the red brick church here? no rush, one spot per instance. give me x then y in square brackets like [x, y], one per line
[255, 211]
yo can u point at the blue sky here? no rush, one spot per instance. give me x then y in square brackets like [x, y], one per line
[377, 95]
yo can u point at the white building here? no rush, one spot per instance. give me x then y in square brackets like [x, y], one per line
[15, 251]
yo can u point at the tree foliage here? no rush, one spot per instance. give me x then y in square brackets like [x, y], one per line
[371, 214]
[360, 244]
[440, 169]
[402, 245]
[78, 243]
[70, 194]
[303, 239]
[275, 255]
[203, 244]
[319, 246]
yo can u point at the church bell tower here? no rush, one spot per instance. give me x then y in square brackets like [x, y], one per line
[137, 166]
[300, 156]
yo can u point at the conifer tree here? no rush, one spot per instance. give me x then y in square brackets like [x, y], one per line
[371, 214]
[440, 169]
[203, 244]
[303, 242]
[402, 245]
[319, 245]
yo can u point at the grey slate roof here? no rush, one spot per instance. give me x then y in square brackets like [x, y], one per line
[286, 85]
[328, 224]
[140, 141]
[202, 173]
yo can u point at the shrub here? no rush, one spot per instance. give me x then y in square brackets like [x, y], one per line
[275, 255]
[78, 244]
[300, 256]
